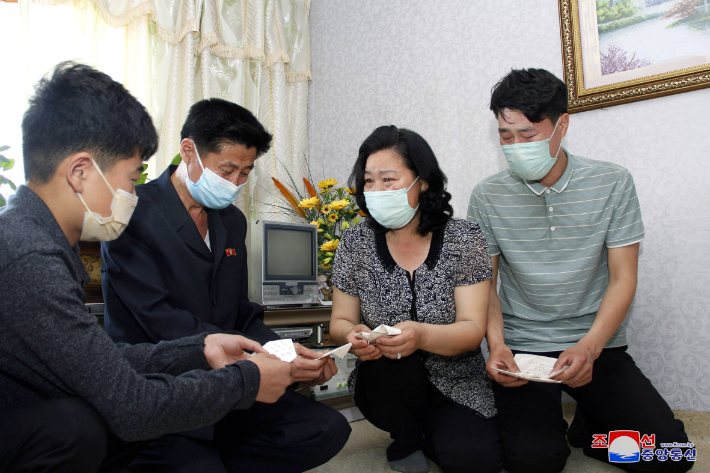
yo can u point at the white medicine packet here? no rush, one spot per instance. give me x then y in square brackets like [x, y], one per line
[534, 368]
[283, 349]
[340, 352]
[380, 331]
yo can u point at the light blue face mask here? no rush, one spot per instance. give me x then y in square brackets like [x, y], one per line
[212, 191]
[532, 160]
[390, 208]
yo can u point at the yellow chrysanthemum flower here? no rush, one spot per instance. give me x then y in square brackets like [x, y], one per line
[331, 245]
[333, 217]
[340, 204]
[326, 266]
[309, 203]
[326, 209]
[327, 184]
[317, 224]
[351, 190]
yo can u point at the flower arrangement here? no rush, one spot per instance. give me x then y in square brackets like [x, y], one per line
[329, 208]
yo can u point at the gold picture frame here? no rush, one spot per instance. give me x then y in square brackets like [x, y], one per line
[657, 80]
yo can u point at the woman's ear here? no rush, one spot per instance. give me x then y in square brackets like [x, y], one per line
[423, 186]
[77, 169]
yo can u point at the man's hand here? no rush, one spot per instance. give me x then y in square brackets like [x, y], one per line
[502, 358]
[222, 349]
[580, 359]
[311, 371]
[360, 347]
[405, 343]
[275, 376]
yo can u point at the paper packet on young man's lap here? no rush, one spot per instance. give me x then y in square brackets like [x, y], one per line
[534, 368]
[381, 331]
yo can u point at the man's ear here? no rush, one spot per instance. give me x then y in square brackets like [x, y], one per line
[564, 124]
[187, 150]
[78, 166]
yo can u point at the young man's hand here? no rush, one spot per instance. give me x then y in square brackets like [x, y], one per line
[311, 371]
[275, 376]
[580, 359]
[360, 347]
[222, 349]
[502, 358]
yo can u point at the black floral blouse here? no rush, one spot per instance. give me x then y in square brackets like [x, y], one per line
[458, 256]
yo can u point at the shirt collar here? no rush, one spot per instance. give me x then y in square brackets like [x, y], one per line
[561, 183]
[437, 242]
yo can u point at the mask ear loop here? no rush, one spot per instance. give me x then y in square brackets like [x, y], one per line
[199, 159]
[105, 181]
[553, 133]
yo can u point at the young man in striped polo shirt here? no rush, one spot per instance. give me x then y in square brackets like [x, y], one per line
[564, 232]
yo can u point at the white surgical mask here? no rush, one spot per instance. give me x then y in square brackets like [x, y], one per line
[211, 190]
[531, 160]
[98, 228]
[391, 209]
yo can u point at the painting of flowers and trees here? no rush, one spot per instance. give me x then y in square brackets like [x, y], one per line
[639, 33]
[619, 51]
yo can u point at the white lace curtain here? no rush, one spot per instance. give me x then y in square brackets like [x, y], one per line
[171, 54]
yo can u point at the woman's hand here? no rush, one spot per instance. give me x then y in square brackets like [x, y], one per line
[404, 344]
[360, 347]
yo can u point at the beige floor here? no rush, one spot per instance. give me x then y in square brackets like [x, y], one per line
[365, 451]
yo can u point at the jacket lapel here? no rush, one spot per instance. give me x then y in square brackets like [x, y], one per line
[218, 239]
[177, 214]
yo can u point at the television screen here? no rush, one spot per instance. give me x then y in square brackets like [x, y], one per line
[289, 252]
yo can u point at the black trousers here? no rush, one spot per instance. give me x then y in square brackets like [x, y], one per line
[619, 397]
[62, 435]
[397, 397]
[292, 435]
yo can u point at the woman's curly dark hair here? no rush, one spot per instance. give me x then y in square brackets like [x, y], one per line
[434, 207]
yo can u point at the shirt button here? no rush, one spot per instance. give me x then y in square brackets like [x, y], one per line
[550, 209]
[552, 229]
[547, 191]
[214, 300]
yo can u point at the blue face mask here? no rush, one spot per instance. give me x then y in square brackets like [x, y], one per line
[390, 208]
[212, 191]
[532, 160]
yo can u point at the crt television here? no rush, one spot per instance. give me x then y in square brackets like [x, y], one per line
[283, 264]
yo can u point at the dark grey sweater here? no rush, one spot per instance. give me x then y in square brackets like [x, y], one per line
[51, 347]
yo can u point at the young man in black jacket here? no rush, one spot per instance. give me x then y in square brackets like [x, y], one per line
[70, 398]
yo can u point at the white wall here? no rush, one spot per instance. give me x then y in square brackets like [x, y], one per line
[430, 66]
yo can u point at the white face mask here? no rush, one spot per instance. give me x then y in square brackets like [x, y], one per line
[98, 228]
[390, 208]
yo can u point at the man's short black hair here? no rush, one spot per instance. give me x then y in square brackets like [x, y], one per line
[79, 109]
[434, 207]
[536, 93]
[212, 123]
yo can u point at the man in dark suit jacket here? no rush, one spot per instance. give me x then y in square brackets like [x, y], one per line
[180, 268]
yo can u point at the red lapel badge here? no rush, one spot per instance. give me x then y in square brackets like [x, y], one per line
[230, 252]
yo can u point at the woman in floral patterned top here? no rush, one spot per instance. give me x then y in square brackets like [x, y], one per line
[417, 269]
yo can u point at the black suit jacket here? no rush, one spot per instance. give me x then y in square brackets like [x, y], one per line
[161, 282]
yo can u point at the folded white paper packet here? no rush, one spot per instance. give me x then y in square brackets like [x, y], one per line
[378, 332]
[340, 352]
[534, 368]
[283, 349]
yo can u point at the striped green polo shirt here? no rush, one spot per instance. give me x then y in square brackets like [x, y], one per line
[552, 244]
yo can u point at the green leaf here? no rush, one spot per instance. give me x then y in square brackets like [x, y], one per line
[3, 148]
[144, 175]
[177, 159]
[3, 202]
[4, 180]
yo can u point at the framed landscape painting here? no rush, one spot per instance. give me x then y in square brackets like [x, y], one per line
[619, 51]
